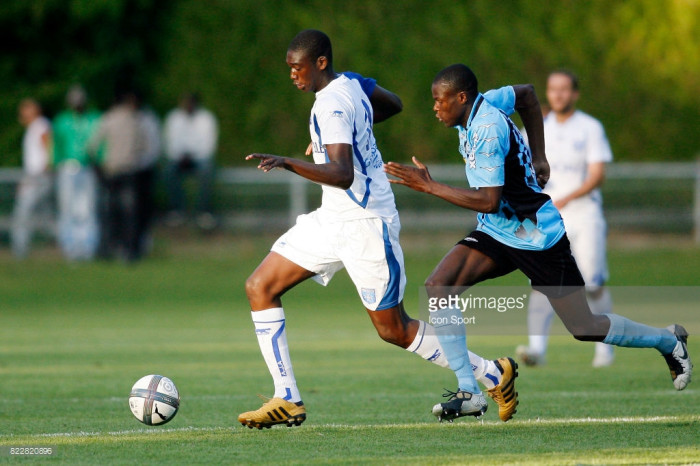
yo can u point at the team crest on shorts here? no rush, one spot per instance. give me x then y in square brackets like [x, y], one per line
[368, 295]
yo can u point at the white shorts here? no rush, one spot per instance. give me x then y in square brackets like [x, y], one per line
[368, 248]
[587, 232]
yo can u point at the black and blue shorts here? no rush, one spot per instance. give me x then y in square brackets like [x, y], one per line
[551, 271]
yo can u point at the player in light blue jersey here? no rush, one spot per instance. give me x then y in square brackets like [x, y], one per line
[519, 228]
[356, 228]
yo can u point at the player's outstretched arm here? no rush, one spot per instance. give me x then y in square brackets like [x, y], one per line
[528, 107]
[338, 171]
[385, 104]
[486, 200]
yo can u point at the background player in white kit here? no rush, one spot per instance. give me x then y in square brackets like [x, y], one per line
[577, 151]
[356, 227]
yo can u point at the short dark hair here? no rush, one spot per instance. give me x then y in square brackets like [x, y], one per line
[314, 44]
[459, 78]
[569, 74]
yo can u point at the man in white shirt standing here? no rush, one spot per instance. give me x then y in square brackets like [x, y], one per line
[191, 137]
[35, 188]
[577, 151]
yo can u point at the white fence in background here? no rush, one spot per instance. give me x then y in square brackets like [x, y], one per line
[654, 196]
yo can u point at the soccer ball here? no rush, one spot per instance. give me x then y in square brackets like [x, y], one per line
[154, 400]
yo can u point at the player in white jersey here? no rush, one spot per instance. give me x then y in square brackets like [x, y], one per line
[577, 151]
[356, 228]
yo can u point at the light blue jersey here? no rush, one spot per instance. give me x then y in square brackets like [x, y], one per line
[496, 154]
[502, 98]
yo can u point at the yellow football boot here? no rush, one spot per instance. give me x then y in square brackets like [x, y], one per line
[274, 411]
[504, 393]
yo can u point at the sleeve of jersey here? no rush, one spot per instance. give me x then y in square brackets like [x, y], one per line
[599, 147]
[367, 84]
[503, 99]
[335, 123]
[490, 149]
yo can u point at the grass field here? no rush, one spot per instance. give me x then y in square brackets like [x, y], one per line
[73, 339]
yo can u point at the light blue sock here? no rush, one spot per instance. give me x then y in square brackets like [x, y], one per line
[625, 332]
[452, 337]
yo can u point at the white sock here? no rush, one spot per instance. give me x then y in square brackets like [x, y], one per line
[604, 351]
[539, 320]
[602, 305]
[272, 338]
[427, 346]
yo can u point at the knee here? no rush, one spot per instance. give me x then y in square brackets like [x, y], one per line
[433, 281]
[256, 288]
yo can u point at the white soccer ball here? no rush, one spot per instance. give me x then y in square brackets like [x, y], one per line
[154, 400]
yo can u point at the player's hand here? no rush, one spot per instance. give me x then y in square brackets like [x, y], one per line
[417, 177]
[541, 172]
[268, 161]
[309, 149]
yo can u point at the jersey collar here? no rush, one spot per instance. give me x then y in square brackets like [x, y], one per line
[475, 108]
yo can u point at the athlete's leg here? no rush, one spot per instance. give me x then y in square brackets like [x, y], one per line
[264, 288]
[462, 266]
[395, 326]
[610, 328]
[570, 304]
[465, 266]
[271, 279]
[588, 236]
[577, 317]
[600, 302]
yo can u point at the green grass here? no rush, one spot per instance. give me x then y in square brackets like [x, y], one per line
[73, 339]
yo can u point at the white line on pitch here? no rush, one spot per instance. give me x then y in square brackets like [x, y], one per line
[539, 421]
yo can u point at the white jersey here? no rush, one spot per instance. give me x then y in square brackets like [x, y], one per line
[35, 154]
[195, 134]
[570, 147]
[342, 114]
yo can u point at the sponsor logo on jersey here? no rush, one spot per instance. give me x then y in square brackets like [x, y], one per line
[337, 113]
[471, 159]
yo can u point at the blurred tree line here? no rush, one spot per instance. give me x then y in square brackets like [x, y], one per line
[638, 62]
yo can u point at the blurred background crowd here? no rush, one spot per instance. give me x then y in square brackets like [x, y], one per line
[103, 167]
[98, 83]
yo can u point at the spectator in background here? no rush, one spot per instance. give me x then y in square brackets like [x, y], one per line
[578, 152]
[122, 137]
[191, 136]
[77, 184]
[145, 176]
[34, 190]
